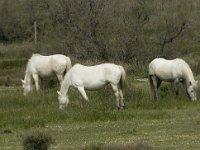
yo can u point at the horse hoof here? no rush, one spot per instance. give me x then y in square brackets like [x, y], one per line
[117, 108]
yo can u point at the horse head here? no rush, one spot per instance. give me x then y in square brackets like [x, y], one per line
[27, 87]
[63, 100]
[191, 90]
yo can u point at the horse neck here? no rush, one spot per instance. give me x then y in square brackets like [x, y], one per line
[65, 84]
[188, 75]
[27, 77]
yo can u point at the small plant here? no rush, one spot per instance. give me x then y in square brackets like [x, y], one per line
[37, 141]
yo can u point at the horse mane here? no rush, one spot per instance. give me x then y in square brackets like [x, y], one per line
[27, 72]
[66, 83]
[29, 61]
[35, 54]
[188, 74]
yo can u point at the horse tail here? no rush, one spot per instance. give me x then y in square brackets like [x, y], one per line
[123, 79]
[69, 64]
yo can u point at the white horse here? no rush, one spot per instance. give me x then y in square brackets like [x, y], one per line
[176, 71]
[39, 65]
[93, 78]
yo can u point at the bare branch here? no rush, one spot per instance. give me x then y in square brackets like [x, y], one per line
[169, 39]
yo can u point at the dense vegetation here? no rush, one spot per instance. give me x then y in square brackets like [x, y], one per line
[130, 30]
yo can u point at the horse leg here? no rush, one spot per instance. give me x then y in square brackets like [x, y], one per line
[60, 78]
[158, 82]
[151, 86]
[155, 85]
[81, 100]
[36, 79]
[117, 95]
[121, 99]
[42, 83]
[185, 87]
[176, 83]
[83, 94]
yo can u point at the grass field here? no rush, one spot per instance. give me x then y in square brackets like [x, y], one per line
[171, 123]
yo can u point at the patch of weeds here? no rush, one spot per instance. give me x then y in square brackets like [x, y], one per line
[159, 115]
[94, 115]
[7, 131]
[138, 146]
[164, 91]
[198, 123]
[129, 132]
[93, 147]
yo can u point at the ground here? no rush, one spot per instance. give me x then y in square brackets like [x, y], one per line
[171, 123]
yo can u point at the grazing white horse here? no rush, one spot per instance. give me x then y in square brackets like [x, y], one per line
[176, 71]
[93, 78]
[39, 65]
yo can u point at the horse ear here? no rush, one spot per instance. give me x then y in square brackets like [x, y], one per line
[58, 92]
[23, 81]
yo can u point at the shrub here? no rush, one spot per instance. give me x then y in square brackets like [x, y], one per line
[38, 141]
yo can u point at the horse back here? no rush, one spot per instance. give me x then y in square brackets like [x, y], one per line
[102, 72]
[46, 65]
[166, 69]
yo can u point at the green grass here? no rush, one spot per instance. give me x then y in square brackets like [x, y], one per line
[171, 123]
[13, 63]
[11, 71]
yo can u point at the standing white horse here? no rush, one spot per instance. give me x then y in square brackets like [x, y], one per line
[39, 65]
[176, 71]
[93, 78]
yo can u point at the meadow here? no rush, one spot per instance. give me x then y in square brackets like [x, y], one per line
[130, 33]
[170, 123]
